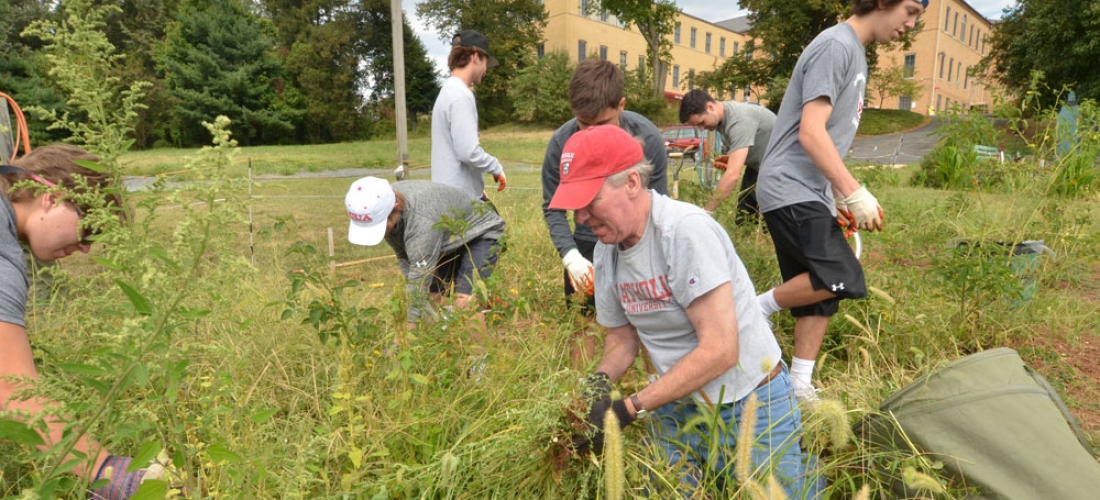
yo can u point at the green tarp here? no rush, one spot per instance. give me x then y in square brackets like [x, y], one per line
[996, 425]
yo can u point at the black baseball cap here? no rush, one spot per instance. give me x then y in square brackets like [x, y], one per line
[471, 38]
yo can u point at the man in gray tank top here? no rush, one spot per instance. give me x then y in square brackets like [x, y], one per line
[803, 179]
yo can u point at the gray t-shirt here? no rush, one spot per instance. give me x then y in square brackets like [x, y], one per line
[834, 65]
[653, 146]
[420, 240]
[457, 157]
[683, 255]
[13, 274]
[746, 125]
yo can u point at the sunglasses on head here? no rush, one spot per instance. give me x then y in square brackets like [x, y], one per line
[87, 233]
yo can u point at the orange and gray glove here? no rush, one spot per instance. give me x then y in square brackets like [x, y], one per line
[720, 162]
[580, 271]
[502, 182]
[865, 209]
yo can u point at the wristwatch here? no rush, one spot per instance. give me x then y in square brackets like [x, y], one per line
[640, 412]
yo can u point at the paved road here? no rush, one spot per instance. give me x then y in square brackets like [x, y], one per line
[894, 149]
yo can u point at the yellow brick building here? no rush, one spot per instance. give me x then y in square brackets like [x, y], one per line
[953, 40]
[697, 45]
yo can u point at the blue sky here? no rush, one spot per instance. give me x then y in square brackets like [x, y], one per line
[709, 10]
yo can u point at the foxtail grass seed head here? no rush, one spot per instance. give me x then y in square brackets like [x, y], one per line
[864, 493]
[755, 489]
[613, 473]
[916, 480]
[775, 490]
[743, 467]
[830, 418]
[882, 295]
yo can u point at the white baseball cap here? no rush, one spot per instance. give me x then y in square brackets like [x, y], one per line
[369, 202]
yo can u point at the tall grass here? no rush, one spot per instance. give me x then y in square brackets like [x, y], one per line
[264, 409]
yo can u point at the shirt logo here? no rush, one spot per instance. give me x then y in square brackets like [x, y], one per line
[422, 263]
[837, 287]
[692, 280]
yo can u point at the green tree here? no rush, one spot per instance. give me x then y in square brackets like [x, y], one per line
[24, 68]
[541, 89]
[1057, 38]
[514, 28]
[319, 41]
[421, 79]
[655, 19]
[217, 61]
[892, 82]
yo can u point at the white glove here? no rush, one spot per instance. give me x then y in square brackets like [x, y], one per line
[865, 209]
[580, 271]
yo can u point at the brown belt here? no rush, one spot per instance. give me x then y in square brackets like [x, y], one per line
[775, 372]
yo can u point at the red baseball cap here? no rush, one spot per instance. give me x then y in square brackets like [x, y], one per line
[590, 156]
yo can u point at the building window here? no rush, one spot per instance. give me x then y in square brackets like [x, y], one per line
[603, 52]
[584, 8]
[939, 101]
[641, 61]
[955, 26]
[691, 79]
[676, 77]
[966, 79]
[958, 73]
[946, 23]
[905, 102]
[950, 66]
[941, 64]
[978, 40]
[747, 94]
[910, 65]
[541, 50]
[707, 47]
[964, 27]
[722, 46]
[736, 47]
[582, 50]
[676, 34]
[970, 41]
[622, 60]
[603, 15]
[693, 38]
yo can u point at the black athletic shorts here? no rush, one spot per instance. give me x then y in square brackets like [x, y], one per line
[807, 238]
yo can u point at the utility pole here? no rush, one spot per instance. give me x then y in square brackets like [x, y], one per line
[398, 27]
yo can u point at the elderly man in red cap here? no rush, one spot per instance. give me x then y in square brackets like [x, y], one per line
[667, 276]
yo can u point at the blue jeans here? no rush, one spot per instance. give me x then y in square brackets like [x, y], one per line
[691, 436]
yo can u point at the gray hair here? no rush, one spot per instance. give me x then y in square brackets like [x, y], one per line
[644, 169]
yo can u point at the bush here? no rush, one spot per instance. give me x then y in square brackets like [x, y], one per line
[541, 90]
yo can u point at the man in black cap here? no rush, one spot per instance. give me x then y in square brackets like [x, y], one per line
[457, 157]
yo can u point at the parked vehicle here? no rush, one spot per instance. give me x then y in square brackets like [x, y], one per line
[681, 137]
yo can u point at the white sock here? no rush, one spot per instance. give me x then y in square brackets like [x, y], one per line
[767, 303]
[802, 370]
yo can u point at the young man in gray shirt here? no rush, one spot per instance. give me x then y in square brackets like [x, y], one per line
[596, 98]
[410, 217]
[746, 129]
[803, 179]
[457, 157]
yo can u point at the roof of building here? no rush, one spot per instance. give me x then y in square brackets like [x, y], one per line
[740, 25]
